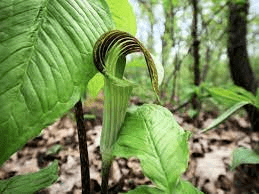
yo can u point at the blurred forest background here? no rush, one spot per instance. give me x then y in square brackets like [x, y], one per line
[199, 42]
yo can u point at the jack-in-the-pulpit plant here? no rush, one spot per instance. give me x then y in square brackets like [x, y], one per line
[110, 59]
[148, 132]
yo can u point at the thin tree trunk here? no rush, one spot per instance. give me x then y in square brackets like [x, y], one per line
[168, 41]
[206, 66]
[172, 98]
[195, 52]
[240, 68]
[148, 5]
[168, 37]
[152, 23]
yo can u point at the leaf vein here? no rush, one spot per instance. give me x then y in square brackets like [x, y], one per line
[36, 92]
[156, 151]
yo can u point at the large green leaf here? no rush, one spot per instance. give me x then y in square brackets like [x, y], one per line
[244, 156]
[123, 16]
[32, 182]
[45, 62]
[151, 134]
[95, 85]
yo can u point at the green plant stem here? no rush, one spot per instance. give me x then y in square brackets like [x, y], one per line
[85, 174]
[106, 165]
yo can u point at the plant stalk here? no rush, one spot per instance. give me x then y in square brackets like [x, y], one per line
[106, 166]
[85, 174]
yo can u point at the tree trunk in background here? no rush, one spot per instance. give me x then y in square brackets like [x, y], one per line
[168, 36]
[168, 42]
[241, 71]
[195, 52]
[206, 66]
[148, 6]
[152, 22]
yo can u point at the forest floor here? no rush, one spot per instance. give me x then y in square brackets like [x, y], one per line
[210, 156]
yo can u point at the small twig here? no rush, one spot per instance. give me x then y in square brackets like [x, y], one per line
[181, 106]
[85, 175]
[166, 82]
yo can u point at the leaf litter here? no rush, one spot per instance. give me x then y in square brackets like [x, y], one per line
[210, 156]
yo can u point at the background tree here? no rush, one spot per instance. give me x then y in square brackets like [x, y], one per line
[195, 52]
[179, 31]
[239, 64]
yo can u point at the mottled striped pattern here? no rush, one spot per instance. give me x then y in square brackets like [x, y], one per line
[128, 44]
